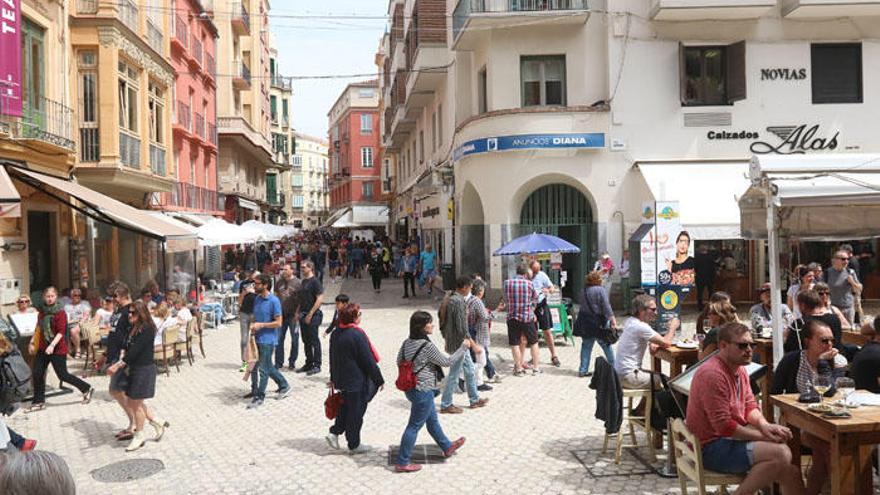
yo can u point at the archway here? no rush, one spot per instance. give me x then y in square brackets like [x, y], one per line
[563, 211]
[472, 233]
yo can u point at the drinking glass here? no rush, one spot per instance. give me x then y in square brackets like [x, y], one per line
[846, 386]
[822, 384]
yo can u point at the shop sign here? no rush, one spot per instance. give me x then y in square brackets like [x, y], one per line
[595, 140]
[724, 135]
[430, 212]
[795, 140]
[10, 57]
[783, 74]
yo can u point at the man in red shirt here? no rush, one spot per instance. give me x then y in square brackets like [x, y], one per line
[734, 435]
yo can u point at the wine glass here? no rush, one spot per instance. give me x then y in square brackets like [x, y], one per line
[846, 386]
[822, 384]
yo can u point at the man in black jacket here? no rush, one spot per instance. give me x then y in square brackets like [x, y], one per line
[866, 365]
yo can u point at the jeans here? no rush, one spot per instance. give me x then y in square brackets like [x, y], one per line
[216, 308]
[377, 280]
[287, 324]
[409, 284]
[266, 370]
[311, 340]
[422, 412]
[350, 418]
[465, 364]
[587, 351]
[59, 364]
[244, 323]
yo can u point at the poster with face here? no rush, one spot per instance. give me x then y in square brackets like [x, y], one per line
[661, 260]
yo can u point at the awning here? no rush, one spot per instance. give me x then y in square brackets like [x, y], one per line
[271, 232]
[106, 209]
[10, 200]
[195, 219]
[335, 217]
[167, 217]
[707, 192]
[220, 233]
[370, 216]
[248, 204]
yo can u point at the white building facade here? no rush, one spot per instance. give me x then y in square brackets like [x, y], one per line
[568, 116]
[310, 193]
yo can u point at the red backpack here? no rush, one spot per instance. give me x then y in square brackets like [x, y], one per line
[406, 377]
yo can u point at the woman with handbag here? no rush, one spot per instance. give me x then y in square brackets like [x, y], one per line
[595, 322]
[427, 361]
[49, 346]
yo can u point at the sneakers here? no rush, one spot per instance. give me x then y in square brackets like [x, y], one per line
[137, 441]
[409, 468]
[360, 449]
[255, 404]
[313, 371]
[495, 379]
[585, 374]
[484, 388]
[159, 426]
[282, 393]
[29, 445]
[537, 371]
[451, 410]
[249, 395]
[455, 446]
[519, 373]
[304, 369]
[332, 440]
[480, 403]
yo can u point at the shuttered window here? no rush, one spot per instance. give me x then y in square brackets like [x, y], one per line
[836, 72]
[712, 75]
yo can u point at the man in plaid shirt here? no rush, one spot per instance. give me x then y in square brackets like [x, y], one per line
[521, 298]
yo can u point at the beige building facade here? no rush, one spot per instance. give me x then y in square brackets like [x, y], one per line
[308, 185]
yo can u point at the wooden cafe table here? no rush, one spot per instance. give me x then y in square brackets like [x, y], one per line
[853, 338]
[677, 358]
[851, 440]
[765, 355]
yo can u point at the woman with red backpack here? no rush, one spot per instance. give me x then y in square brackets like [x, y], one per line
[419, 362]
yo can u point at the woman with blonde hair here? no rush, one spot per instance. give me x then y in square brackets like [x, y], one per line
[593, 320]
[719, 313]
[163, 321]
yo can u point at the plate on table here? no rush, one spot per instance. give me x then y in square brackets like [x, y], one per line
[687, 345]
[819, 408]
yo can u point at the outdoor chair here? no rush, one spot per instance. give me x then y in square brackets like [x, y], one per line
[91, 343]
[198, 332]
[168, 348]
[192, 335]
[689, 462]
[642, 422]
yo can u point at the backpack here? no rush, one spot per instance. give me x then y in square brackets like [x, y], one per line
[15, 381]
[406, 377]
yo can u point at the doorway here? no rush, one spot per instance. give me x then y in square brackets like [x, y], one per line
[40, 260]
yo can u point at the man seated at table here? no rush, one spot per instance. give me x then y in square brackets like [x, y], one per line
[723, 414]
[866, 364]
[636, 336]
[761, 314]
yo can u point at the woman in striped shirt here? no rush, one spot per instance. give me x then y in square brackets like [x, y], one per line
[427, 361]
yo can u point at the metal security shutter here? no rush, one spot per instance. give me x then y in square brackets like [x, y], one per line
[837, 73]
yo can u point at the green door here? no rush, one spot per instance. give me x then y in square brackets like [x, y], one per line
[33, 83]
[562, 211]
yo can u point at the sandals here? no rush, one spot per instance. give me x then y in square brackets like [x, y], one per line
[36, 407]
[555, 361]
[124, 435]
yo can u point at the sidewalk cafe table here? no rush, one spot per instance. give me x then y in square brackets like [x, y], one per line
[677, 358]
[851, 441]
[853, 338]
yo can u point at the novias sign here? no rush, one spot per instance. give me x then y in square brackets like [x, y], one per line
[796, 140]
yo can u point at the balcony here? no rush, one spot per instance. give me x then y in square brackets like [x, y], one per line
[238, 126]
[699, 10]
[129, 150]
[183, 119]
[189, 196]
[196, 50]
[45, 124]
[241, 75]
[128, 14]
[212, 134]
[807, 9]
[181, 34]
[86, 7]
[473, 19]
[211, 65]
[274, 198]
[199, 122]
[282, 83]
[241, 19]
[157, 160]
[155, 38]
[426, 51]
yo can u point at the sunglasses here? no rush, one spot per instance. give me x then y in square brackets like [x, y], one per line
[653, 310]
[745, 345]
[22, 301]
[823, 293]
[843, 258]
[827, 341]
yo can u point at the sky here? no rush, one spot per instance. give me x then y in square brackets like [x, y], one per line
[308, 47]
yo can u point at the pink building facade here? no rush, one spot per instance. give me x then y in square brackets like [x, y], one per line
[193, 52]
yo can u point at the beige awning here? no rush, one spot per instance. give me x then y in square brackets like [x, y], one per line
[108, 210]
[10, 200]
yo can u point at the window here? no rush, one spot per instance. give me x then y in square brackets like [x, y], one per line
[157, 108]
[434, 131]
[32, 83]
[367, 190]
[366, 93]
[89, 148]
[366, 123]
[128, 97]
[440, 123]
[297, 160]
[297, 201]
[421, 146]
[543, 80]
[713, 75]
[366, 157]
[284, 114]
[273, 106]
[836, 72]
[482, 91]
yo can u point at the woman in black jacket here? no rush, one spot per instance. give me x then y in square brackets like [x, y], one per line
[797, 373]
[354, 371]
[139, 369]
[376, 267]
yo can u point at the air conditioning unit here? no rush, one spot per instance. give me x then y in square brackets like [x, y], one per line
[10, 290]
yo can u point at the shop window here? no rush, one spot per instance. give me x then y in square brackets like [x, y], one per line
[836, 72]
[543, 80]
[712, 75]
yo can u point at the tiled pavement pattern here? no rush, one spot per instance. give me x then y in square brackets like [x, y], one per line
[537, 434]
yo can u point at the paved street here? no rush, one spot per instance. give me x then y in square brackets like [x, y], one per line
[536, 435]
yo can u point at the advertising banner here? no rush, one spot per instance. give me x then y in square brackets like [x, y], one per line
[10, 57]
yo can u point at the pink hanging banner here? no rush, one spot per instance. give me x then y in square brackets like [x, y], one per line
[10, 57]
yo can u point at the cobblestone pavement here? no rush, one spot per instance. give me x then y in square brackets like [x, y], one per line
[537, 434]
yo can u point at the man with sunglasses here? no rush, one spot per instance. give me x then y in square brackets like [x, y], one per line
[634, 340]
[266, 322]
[723, 414]
[844, 284]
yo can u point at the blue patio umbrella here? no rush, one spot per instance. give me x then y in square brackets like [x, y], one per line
[535, 243]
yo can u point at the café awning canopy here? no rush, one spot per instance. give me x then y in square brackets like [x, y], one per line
[220, 233]
[271, 232]
[707, 193]
[108, 210]
[10, 200]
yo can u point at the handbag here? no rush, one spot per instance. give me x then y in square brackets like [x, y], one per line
[610, 334]
[332, 403]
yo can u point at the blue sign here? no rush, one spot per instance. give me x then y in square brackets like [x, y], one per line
[594, 140]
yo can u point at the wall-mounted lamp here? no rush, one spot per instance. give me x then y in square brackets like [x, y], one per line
[13, 246]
